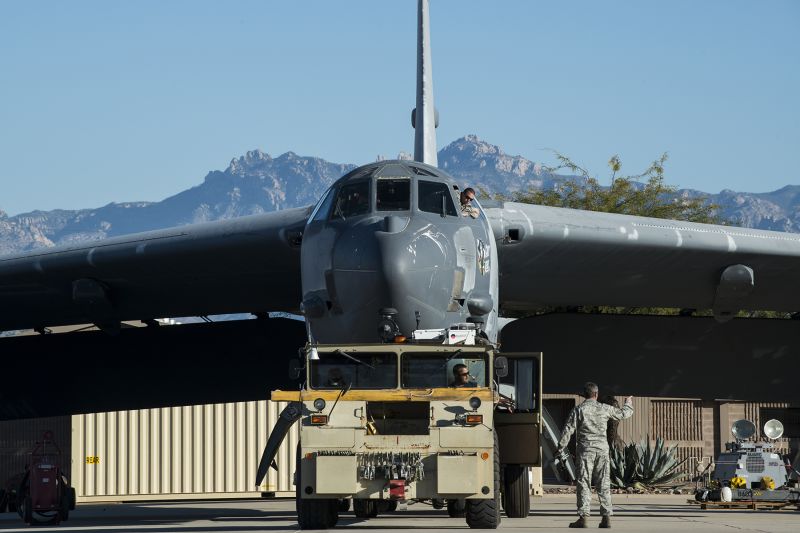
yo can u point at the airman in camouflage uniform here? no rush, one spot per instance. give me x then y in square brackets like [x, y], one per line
[589, 421]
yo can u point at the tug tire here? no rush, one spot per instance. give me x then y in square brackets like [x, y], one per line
[485, 513]
[516, 491]
[457, 508]
[314, 513]
[365, 508]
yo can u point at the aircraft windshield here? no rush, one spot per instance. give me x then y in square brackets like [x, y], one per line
[394, 194]
[431, 196]
[353, 200]
[323, 207]
[363, 371]
[426, 371]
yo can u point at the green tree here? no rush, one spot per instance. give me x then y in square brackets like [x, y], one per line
[643, 194]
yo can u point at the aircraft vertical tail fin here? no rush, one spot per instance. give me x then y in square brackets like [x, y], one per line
[424, 118]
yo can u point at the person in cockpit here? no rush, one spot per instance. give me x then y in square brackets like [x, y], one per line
[467, 209]
[461, 377]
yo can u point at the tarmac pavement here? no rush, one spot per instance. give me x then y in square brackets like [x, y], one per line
[645, 513]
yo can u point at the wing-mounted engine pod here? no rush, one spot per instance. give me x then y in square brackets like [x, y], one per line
[735, 286]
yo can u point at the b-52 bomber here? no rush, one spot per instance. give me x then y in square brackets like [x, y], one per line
[387, 245]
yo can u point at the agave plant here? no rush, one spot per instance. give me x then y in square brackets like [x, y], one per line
[644, 466]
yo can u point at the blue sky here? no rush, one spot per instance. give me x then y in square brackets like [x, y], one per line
[119, 101]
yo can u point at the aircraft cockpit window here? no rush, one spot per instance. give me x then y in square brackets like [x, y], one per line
[421, 171]
[435, 197]
[323, 208]
[353, 200]
[394, 194]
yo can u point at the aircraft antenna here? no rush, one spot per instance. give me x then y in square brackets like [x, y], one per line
[423, 118]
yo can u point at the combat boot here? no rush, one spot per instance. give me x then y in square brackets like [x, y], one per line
[605, 522]
[580, 522]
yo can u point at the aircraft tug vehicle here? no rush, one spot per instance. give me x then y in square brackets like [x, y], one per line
[383, 424]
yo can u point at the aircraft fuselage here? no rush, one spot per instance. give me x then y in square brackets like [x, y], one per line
[391, 235]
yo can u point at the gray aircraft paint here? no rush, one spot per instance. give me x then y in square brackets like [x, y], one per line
[247, 264]
[539, 256]
[419, 263]
[553, 256]
[424, 118]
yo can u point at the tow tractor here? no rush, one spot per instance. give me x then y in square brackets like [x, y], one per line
[389, 424]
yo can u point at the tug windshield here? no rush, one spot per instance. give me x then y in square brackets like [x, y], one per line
[339, 370]
[426, 371]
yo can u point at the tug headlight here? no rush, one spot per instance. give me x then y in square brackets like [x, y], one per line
[474, 402]
[319, 404]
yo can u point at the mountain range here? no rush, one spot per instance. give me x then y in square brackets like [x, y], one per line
[257, 183]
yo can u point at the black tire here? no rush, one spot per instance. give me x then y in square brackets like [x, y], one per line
[344, 505]
[365, 508]
[485, 514]
[313, 513]
[457, 508]
[72, 498]
[516, 491]
[22, 497]
[386, 506]
[66, 497]
[318, 513]
[437, 503]
[27, 510]
[334, 511]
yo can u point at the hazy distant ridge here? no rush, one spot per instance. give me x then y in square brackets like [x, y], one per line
[257, 183]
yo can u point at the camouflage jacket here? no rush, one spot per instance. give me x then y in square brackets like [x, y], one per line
[469, 211]
[589, 421]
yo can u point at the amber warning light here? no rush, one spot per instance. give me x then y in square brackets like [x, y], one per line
[474, 419]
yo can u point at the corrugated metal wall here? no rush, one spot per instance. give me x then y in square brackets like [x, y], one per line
[178, 451]
[18, 437]
[682, 422]
[677, 420]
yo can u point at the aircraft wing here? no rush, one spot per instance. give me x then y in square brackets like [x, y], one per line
[247, 264]
[553, 256]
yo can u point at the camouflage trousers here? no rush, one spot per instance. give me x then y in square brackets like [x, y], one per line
[593, 467]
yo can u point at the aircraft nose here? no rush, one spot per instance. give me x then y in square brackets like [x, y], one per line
[392, 262]
[417, 267]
